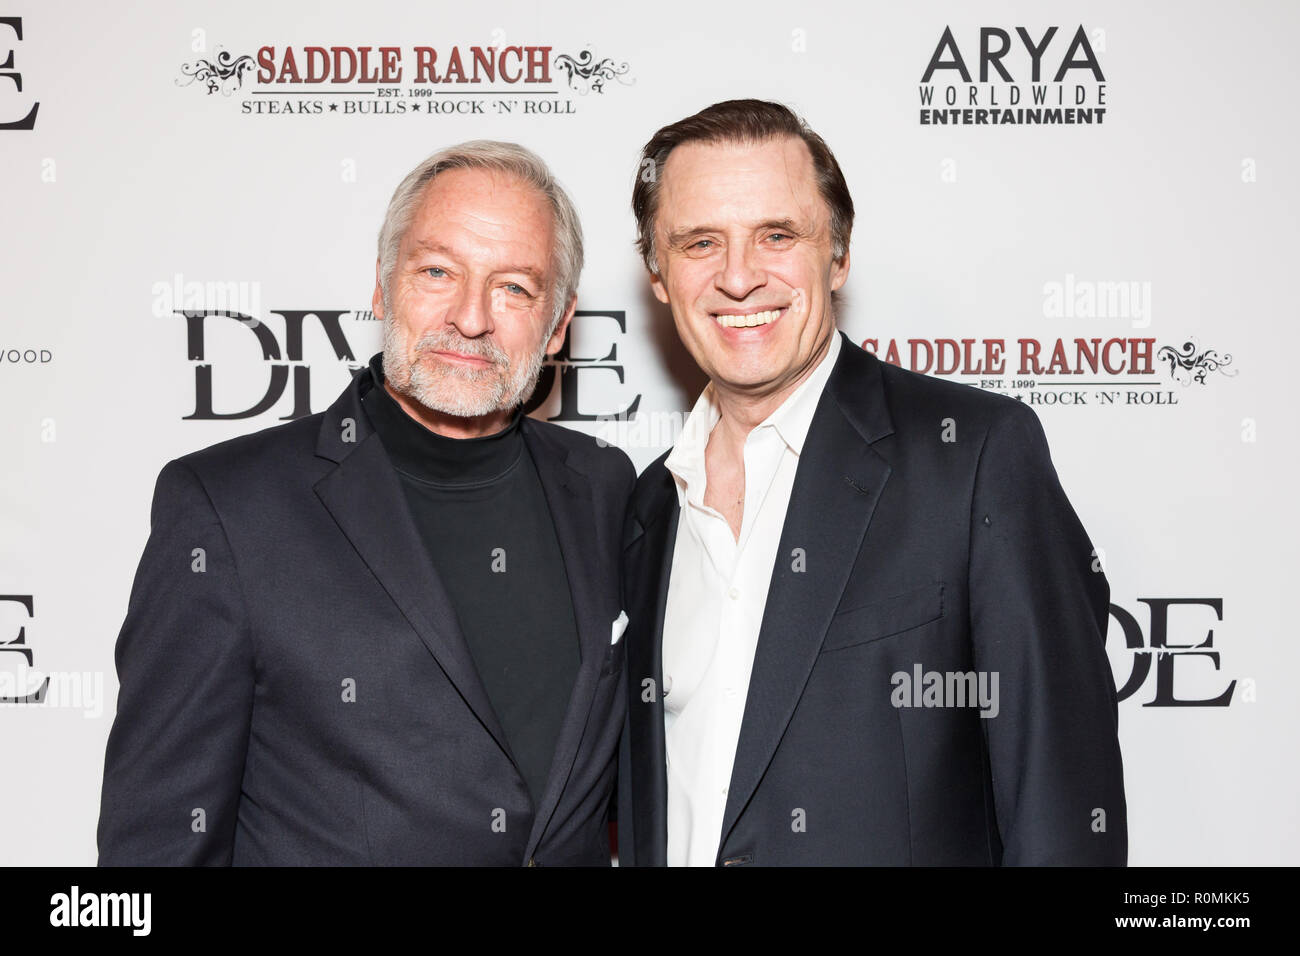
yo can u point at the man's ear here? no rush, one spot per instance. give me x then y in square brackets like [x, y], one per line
[377, 299]
[556, 341]
[840, 272]
[658, 288]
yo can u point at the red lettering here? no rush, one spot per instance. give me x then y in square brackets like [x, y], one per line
[539, 61]
[288, 68]
[1105, 356]
[947, 346]
[1142, 356]
[487, 60]
[366, 73]
[313, 54]
[455, 68]
[338, 51]
[266, 64]
[1029, 353]
[518, 51]
[929, 354]
[425, 58]
[390, 58]
[1082, 354]
[1058, 364]
[994, 364]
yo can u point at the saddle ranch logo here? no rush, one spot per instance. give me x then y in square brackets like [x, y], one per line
[500, 79]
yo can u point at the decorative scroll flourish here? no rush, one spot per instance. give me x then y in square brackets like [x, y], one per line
[1188, 364]
[219, 75]
[587, 74]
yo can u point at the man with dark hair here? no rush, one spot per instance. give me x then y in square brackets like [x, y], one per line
[866, 625]
[389, 633]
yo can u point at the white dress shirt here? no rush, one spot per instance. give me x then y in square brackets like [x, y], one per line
[716, 596]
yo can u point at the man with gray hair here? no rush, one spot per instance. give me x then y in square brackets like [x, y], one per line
[389, 633]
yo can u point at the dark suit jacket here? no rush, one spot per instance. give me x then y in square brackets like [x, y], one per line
[959, 556]
[316, 587]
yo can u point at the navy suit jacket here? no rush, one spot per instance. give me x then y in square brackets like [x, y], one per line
[299, 691]
[934, 534]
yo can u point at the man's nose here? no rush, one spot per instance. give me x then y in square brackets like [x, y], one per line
[471, 313]
[740, 273]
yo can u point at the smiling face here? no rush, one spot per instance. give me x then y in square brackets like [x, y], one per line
[745, 262]
[471, 309]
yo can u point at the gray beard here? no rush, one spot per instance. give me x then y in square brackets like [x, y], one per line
[456, 390]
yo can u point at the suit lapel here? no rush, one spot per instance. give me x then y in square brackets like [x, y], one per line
[650, 560]
[569, 496]
[837, 485]
[365, 498]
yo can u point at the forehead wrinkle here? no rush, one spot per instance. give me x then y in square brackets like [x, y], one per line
[499, 244]
[812, 220]
[813, 215]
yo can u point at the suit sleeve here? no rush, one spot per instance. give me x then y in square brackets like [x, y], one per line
[1038, 620]
[175, 757]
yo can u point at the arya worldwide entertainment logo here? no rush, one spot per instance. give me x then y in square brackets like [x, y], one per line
[1039, 78]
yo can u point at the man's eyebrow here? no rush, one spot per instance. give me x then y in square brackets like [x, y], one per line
[428, 245]
[679, 237]
[535, 274]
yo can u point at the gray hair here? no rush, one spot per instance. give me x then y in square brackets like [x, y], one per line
[494, 156]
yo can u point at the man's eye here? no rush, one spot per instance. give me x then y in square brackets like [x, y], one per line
[514, 288]
[436, 272]
[779, 236]
[702, 244]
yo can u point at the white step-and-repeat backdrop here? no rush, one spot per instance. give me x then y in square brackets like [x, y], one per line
[1090, 206]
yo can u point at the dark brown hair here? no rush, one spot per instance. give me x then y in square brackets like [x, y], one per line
[738, 121]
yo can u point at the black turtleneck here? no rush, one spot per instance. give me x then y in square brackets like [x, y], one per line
[480, 509]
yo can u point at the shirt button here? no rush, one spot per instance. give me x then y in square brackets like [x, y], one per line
[724, 791]
[734, 593]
